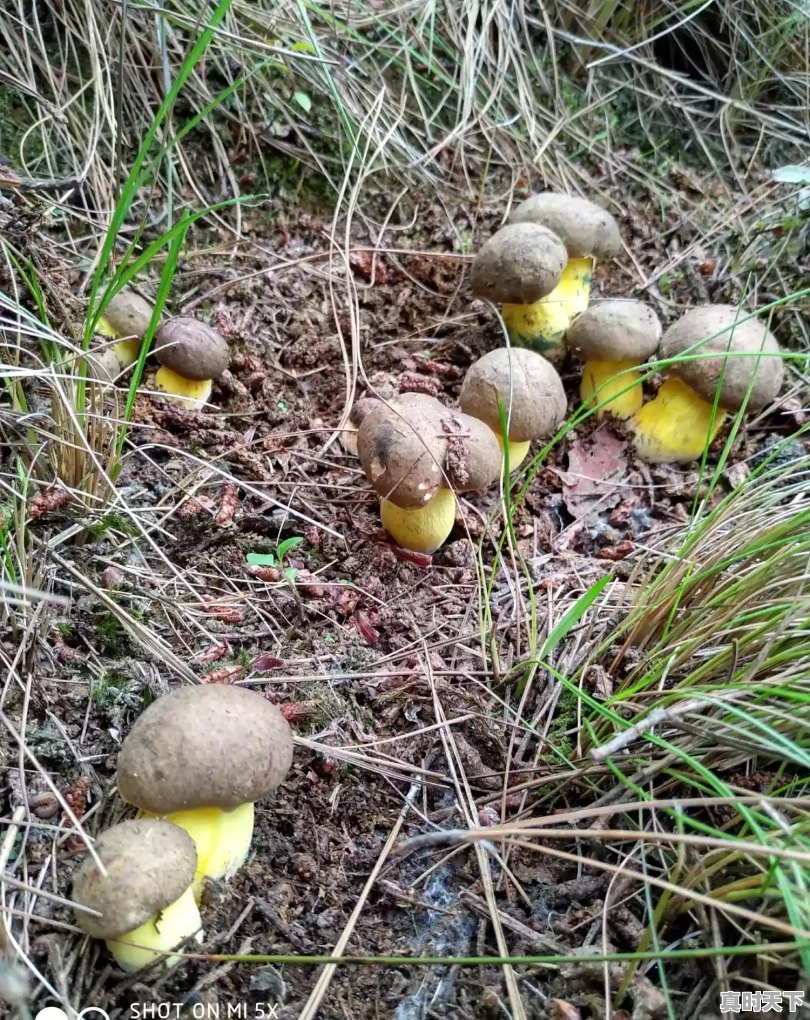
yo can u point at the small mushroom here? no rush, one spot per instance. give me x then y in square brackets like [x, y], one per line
[191, 356]
[528, 389]
[518, 266]
[360, 409]
[144, 903]
[126, 318]
[721, 354]
[613, 338]
[201, 756]
[416, 454]
[588, 232]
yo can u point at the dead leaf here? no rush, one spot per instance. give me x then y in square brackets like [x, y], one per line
[596, 466]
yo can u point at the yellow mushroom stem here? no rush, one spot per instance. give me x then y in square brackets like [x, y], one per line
[542, 325]
[222, 839]
[159, 935]
[126, 351]
[675, 427]
[424, 528]
[615, 385]
[518, 451]
[188, 393]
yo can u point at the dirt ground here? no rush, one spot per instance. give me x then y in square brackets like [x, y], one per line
[366, 651]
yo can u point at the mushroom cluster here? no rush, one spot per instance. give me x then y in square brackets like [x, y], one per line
[417, 454]
[539, 266]
[545, 257]
[190, 354]
[194, 764]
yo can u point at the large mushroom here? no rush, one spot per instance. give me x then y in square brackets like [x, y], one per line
[416, 454]
[613, 337]
[722, 354]
[191, 355]
[517, 267]
[201, 756]
[528, 390]
[144, 905]
[588, 232]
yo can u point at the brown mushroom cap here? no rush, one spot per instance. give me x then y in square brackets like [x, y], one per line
[402, 448]
[149, 862]
[584, 227]
[361, 408]
[538, 403]
[519, 264]
[191, 349]
[474, 459]
[615, 330]
[211, 745]
[736, 334]
[129, 314]
[413, 446]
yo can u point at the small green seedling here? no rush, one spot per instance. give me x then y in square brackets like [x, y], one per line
[276, 559]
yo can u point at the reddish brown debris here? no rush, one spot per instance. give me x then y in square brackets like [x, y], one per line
[410, 382]
[213, 653]
[111, 577]
[229, 504]
[313, 536]
[561, 1010]
[364, 628]
[618, 552]
[44, 805]
[297, 711]
[193, 507]
[76, 796]
[224, 675]
[369, 266]
[417, 558]
[488, 815]
[65, 652]
[220, 611]
[48, 500]
[438, 367]
[267, 574]
[346, 599]
[265, 661]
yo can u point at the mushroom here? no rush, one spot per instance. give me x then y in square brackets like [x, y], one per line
[613, 337]
[144, 903]
[528, 389]
[360, 409]
[416, 453]
[517, 267]
[680, 422]
[191, 356]
[201, 756]
[126, 318]
[588, 232]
